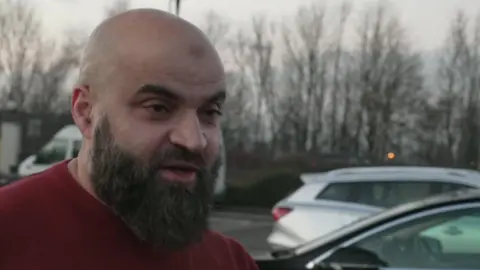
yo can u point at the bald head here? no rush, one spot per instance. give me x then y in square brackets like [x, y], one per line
[141, 61]
[129, 38]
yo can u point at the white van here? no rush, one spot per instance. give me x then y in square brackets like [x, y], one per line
[66, 143]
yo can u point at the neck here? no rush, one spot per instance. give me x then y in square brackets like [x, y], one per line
[78, 168]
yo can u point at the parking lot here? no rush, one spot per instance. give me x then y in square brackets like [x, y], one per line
[249, 229]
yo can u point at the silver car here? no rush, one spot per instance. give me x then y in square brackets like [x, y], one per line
[329, 201]
[440, 232]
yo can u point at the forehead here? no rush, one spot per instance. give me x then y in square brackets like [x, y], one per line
[210, 96]
[188, 75]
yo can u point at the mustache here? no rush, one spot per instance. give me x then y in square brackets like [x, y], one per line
[174, 153]
[171, 154]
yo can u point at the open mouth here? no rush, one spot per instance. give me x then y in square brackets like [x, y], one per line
[184, 173]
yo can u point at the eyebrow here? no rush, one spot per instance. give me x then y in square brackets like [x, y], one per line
[164, 92]
[218, 97]
[158, 90]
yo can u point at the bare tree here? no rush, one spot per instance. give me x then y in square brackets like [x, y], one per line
[252, 57]
[458, 81]
[299, 125]
[117, 7]
[20, 40]
[59, 61]
[239, 115]
[339, 140]
[215, 27]
[449, 84]
[34, 67]
[261, 72]
[390, 83]
[470, 131]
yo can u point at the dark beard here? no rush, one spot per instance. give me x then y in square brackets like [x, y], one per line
[163, 214]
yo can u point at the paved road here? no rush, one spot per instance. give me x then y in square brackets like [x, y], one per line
[251, 230]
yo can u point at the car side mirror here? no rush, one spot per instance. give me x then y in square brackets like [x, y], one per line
[352, 258]
[453, 231]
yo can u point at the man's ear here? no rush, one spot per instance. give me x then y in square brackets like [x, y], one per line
[82, 110]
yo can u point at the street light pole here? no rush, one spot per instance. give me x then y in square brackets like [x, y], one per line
[177, 6]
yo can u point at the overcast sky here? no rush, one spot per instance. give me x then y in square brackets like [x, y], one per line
[426, 20]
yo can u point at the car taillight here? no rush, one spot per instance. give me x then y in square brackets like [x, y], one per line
[280, 212]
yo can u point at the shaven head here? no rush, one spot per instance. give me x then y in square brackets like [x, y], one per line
[148, 102]
[125, 39]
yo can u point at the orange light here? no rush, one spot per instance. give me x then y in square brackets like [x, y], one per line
[391, 155]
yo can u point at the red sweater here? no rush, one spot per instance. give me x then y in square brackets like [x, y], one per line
[48, 221]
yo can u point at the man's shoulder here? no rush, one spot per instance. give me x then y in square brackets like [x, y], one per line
[222, 240]
[230, 249]
[23, 193]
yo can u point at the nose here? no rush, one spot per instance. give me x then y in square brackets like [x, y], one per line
[188, 134]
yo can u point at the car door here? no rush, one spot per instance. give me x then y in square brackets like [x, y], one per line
[442, 238]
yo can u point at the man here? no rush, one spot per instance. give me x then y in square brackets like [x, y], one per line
[148, 103]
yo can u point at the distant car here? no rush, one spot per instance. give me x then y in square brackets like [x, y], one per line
[328, 201]
[441, 232]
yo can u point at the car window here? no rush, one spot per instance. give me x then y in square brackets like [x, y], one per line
[447, 187]
[448, 240]
[53, 152]
[385, 194]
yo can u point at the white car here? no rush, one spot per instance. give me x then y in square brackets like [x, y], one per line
[329, 201]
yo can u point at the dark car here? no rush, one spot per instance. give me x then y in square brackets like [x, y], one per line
[441, 232]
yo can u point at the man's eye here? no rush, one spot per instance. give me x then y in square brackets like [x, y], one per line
[213, 112]
[159, 108]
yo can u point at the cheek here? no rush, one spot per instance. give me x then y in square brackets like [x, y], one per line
[140, 138]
